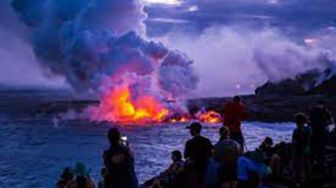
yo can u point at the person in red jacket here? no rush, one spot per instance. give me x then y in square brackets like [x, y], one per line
[234, 113]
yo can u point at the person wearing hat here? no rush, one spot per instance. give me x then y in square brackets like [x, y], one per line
[197, 151]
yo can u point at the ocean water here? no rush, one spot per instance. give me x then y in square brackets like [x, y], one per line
[33, 152]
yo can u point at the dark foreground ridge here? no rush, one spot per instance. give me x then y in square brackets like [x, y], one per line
[308, 161]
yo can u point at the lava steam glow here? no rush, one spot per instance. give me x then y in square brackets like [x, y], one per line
[209, 116]
[124, 105]
[119, 106]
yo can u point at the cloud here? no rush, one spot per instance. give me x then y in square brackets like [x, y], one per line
[300, 15]
[100, 45]
[18, 64]
[235, 60]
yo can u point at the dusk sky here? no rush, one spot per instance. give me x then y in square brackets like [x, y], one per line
[236, 45]
[227, 26]
[303, 15]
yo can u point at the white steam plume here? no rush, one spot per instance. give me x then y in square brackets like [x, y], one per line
[233, 60]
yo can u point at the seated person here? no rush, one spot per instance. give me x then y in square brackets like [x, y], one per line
[176, 166]
[251, 169]
[270, 153]
[266, 146]
[82, 178]
[65, 178]
[168, 177]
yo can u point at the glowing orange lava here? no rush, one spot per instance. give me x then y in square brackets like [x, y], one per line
[118, 106]
[182, 119]
[209, 117]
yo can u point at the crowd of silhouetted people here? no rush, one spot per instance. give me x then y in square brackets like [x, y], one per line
[307, 161]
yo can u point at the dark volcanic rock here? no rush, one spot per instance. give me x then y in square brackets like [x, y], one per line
[280, 101]
[272, 108]
[296, 86]
[311, 83]
[327, 88]
[39, 103]
[287, 87]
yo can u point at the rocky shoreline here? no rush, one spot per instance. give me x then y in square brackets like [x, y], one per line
[271, 108]
[278, 102]
[258, 108]
[273, 102]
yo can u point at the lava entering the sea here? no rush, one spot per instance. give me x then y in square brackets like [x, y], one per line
[209, 116]
[119, 106]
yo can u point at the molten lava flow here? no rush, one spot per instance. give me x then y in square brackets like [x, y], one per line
[125, 103]
[209, 117]
[118, 106]
[181, 119]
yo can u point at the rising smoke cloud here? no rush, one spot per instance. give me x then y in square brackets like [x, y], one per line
[90, 42]
[18, 63]
[95, 44]
[235, 60]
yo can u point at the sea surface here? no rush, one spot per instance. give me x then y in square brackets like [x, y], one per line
[33, 152]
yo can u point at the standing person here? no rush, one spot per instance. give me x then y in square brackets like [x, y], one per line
[197, 152]
[119, 163]
[234, 113]
[300, 150]
[320, 117]
[227, 152]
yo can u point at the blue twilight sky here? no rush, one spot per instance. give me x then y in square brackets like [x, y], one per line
[289, 15]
